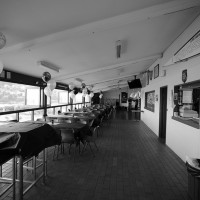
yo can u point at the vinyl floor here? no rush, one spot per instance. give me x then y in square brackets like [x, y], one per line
[131, 163]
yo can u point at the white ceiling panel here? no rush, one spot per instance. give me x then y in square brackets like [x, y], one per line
[80, 36]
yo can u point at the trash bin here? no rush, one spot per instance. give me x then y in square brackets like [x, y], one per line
[193, 168]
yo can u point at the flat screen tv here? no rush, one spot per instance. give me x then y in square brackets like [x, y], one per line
[134, 84]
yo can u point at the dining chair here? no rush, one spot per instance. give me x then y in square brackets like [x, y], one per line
[100, 126]
[82, 121]
[56, 147]
[68, 137]
[91, 123]
[65, 120]
[40, 120]
[90, 139]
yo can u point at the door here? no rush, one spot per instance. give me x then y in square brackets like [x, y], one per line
[163, 112]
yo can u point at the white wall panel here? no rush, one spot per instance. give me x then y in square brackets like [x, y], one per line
[182, 139]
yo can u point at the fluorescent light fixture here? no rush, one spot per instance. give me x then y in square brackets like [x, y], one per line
[118, 48]
[49, 65]
[2, 40]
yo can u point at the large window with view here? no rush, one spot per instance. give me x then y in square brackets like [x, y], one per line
[78, 99]
[58, 97]
[87, 100]
[18, 97]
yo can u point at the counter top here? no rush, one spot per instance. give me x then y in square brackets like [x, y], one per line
[193, 122]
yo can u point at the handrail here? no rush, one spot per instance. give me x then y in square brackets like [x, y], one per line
[39, 108]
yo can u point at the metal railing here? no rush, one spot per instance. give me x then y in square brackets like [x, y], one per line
[32, 113]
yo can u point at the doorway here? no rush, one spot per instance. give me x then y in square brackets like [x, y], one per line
[163, 113]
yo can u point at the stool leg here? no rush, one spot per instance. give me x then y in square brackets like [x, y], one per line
[14, 176]
[20, 178]
[44, 166]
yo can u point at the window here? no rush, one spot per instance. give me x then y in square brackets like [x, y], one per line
[79, 98]
[186, 99]
[59, 97]
[17, 97]
[32, 97]
[87, 98]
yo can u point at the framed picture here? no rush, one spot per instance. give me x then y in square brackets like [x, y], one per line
[150, 100]
[156, 71]
[150, 75]
[124, 97]
[147, 78]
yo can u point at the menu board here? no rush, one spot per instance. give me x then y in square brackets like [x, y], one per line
[187, 96]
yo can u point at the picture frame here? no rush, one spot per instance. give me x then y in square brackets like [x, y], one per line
[156, 71]
[150, 75]
[147, 77]
[150, 99]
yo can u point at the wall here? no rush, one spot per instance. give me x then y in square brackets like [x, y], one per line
[114, 94]
[182, 139]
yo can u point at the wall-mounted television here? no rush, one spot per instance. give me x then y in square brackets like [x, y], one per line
[134, 84]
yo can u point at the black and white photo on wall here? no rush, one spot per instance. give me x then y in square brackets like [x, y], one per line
[156, 71]
[124, 97]
[150, 75]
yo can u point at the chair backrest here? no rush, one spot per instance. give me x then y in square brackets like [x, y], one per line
[40, 120]
[102, 118]
[82, 121]
[48, 119]
[67, 135]
[93, 130]
[60, 120]
[91, 123]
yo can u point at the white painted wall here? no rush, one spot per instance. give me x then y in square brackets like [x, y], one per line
[116, 92]
[182, 139]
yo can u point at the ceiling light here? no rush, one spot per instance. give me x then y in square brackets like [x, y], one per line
[118, 48]
[49, 65]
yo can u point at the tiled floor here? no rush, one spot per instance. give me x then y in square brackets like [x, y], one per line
[131, 164]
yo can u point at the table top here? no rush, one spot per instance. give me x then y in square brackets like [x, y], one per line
[80, 130]
[64, 125]
[19, 127]
[59, 116]
[26, 138]
[86, 118]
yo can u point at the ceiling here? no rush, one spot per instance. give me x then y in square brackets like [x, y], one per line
[79, 36]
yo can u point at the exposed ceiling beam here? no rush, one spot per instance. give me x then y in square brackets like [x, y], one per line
[113, 79]
[100, 69]
[111, 86]
[106, 24]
